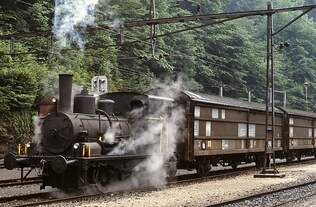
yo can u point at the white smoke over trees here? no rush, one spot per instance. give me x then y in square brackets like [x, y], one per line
[71, 20]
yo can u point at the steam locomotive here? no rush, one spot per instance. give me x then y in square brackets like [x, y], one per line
[76, 143]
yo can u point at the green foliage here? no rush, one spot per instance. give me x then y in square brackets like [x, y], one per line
[231, 54]
[16, 127]
[18, 90]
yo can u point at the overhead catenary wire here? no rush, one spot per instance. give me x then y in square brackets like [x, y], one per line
[170, 20]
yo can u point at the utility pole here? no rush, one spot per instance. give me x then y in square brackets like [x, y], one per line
[306, 100]
[249, 96]
[284, 97]
[221, 89]
[267, 171]
[272, 86]
[152, 12]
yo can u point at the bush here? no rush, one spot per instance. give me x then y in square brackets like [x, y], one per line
[16, 127]
[18, 90]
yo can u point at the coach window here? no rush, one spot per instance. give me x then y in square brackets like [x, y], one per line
[209, 144]
[291, 121]
[225, 144]
[310, 133]
[196, 128]
[242, 130]
[208, 129]
[215, 113]
[291, 134]
[251, 144]
[223, 114]
[315, 132]
[252, 130]
[243, 144]
[197, 110]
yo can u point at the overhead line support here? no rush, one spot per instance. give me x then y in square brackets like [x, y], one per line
[149, 22]
[292, 21]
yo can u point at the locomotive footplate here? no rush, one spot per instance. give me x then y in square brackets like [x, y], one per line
[73, 172]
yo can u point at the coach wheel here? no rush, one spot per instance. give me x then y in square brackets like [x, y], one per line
[289, 158]
[299, 157]
[203, 168]
[171, 167]
[259, 161]
[234, 165]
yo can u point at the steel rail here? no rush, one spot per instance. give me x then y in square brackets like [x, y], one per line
[23, 197]
[258, 195]
[294, 200]
[142, 189]
[184, 179]
[17, 182]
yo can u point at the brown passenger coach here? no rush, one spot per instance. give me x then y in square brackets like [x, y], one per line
[225, 131]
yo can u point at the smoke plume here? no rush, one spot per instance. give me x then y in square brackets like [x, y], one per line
[156, 135]
[37, 137]
[71, 19]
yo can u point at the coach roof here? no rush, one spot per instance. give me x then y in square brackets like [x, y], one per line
[225, 101]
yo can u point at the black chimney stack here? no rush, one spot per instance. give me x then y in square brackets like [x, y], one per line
[65, 88]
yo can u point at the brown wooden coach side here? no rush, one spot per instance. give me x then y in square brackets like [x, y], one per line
[222, 130]
[221, 127]
[300, 139]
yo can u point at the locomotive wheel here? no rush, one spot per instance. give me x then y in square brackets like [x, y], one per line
[104, 176]
[172, 169]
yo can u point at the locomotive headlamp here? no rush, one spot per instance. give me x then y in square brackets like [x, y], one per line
[76, 146]
[203, 145]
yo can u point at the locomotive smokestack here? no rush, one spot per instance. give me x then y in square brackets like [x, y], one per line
[65, 88]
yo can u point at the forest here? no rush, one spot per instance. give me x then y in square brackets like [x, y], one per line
[231, 55]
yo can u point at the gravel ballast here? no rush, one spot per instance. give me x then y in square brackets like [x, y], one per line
[208, 192]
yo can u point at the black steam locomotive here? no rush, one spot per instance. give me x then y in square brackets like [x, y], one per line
[76, 143]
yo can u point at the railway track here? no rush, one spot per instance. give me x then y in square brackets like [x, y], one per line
[47, 198]
[262, 194]
[24, 197]
[16, 182]
[180, 180]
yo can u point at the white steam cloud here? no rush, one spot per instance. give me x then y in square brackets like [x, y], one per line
[37, 137]
[71, 19]
[155, 135]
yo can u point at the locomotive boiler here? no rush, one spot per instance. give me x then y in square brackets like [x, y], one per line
[78, 137]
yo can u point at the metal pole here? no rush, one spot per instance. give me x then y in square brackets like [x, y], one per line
[272, 86]
[269, 16]
[153, 27]
[306, 97]
[284, 99]
[249, 96]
